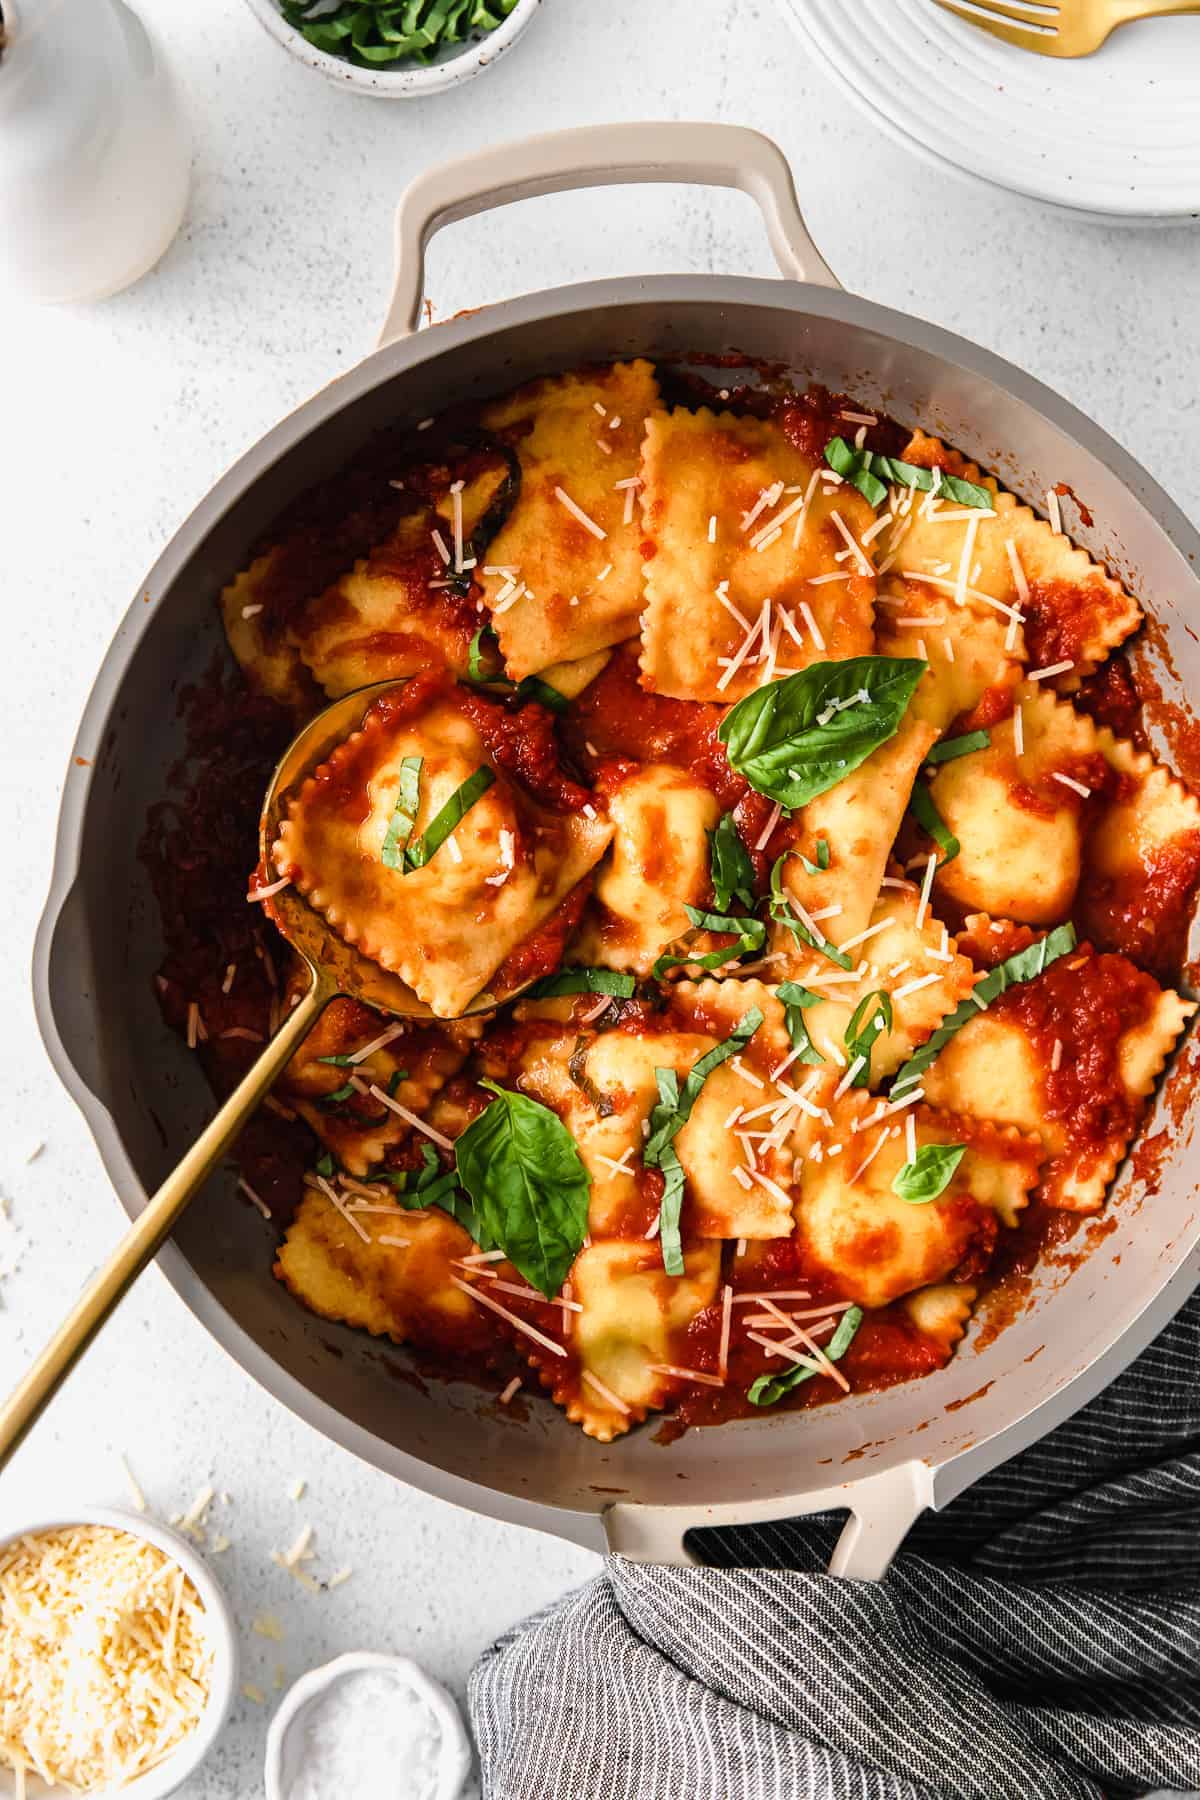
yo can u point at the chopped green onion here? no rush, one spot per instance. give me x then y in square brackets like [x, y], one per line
[328, 1101]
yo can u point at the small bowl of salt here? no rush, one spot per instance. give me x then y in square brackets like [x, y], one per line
[367, 1724]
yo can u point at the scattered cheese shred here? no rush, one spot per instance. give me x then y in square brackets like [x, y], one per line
[105, 1663]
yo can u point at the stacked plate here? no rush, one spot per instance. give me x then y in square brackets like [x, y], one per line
[1116, 134]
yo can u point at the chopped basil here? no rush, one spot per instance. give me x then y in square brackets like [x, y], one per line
[871, 1016]
[669, 1118]
[770, 1388]
[781, 912]
[751, 935]
[730, 868]
[602, 1104]
[795, 1000]
[325, 1165]
[929, 1173]
[1023, 966]
[395, 852]
[486, 645]
[926, 814]
[580, 980]
[522, 1169]
[455, 810]
[951, 748]
[386, 33]
[822, 862]
[485, 669]
[328, 1101]
[798, 737]
[870, 473]
[534, 688]
[435, 1186]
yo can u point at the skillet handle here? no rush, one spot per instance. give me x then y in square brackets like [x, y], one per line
[883, 1509]
[598, 156]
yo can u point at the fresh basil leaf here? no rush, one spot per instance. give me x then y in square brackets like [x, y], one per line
[404, 818]
[730, 867]
[929, 1173]
[794, 739]
[751, 935]
[580, 980]
[670, 1211]
[951, 748]
[870, 473]
[443, 823]
[675, 1104]
[782, 913]
[795, 1000]
[770, 1388]
[921, 806]
[822, 862]
[1024, 965]
[522, 1169]
[871, 1016]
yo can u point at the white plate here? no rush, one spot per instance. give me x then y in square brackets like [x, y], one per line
[1116, 134]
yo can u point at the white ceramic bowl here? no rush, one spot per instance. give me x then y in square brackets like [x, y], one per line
[406, 81]
[282, 1755]
[169, 1775]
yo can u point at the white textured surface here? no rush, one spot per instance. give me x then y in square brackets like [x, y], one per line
[113, 423]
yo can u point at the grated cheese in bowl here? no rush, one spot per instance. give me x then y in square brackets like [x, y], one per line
[116, 1660]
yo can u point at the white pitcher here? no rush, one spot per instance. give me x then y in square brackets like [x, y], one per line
[94, 151]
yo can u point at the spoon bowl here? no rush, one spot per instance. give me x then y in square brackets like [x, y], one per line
[335, 967]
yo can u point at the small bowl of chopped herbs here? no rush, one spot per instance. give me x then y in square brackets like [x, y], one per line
[396, 49]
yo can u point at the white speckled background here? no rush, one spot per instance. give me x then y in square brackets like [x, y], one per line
[114, 420]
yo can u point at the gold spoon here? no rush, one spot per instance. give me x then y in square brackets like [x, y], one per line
[334, 968]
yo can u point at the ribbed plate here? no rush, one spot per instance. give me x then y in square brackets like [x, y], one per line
[1117, 133]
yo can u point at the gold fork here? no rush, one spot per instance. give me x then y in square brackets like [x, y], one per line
[1060, 27]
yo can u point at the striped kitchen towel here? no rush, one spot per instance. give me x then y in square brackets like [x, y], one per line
[1039, 1640]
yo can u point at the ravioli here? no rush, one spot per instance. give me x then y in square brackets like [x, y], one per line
[410, 1066]
[858, 819]
[744, 580]
[1071, 1056]
[559, 585]
[874, 1246]
[916, 966]
[447, 927]
[394, 1290]
[1073, 611]
[970, 650]
[657, 864]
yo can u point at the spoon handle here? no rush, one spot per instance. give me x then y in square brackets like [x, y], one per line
[150, 1229]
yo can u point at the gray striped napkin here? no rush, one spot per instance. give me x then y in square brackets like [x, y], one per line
[1038, 1640]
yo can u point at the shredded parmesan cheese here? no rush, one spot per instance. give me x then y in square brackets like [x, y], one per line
[105, 1663]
